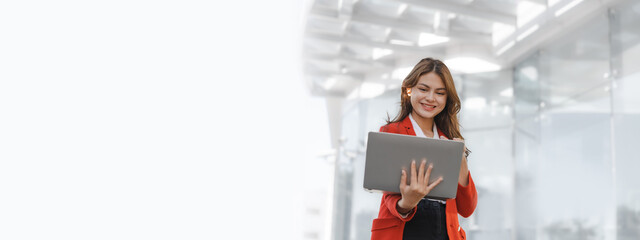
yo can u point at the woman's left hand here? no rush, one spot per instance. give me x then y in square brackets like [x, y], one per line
[463, 178]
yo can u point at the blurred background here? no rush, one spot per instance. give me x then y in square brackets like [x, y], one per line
[549, 108]
[200, 119]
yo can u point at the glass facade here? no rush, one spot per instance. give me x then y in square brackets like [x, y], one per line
[553, 138]
[625, 109]
[564, 118]
[489, 96]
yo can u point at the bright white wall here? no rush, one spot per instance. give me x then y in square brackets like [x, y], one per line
[153, 120]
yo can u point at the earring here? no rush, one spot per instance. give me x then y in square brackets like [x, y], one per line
[409, 93]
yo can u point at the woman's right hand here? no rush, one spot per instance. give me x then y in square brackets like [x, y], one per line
[418, 187]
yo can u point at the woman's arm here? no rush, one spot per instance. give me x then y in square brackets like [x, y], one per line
[463, 178]
[467, 196]
[464, 170]
[390, 201]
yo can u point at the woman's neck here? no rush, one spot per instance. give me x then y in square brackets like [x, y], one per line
[426, 124]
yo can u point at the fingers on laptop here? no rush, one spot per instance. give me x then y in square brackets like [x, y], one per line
[434, 183]
[428, 173]
[414, 178]
[421, 172]
[403, 179]
[428, 176]
[421, 176]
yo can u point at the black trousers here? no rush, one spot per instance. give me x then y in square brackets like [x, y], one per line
[429, 223]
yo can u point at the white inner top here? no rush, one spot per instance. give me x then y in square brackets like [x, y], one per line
[419, 131]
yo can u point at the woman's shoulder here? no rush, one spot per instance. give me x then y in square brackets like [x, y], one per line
[392, 127]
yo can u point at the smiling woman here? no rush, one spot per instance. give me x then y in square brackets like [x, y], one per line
[429, 108]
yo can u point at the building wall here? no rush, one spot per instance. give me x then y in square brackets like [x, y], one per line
[553, 138]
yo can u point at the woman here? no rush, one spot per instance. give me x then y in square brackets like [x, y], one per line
[429, 108]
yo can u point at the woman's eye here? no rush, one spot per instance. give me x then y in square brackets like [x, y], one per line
[422, 89]
[440, 93]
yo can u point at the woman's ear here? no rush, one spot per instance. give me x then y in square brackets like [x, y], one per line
[409, 92]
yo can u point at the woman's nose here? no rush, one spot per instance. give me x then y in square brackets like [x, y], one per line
[430, 96]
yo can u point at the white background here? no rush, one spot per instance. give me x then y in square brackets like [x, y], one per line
[153, 120]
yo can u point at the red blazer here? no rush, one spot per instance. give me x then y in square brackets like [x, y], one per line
[390, 225]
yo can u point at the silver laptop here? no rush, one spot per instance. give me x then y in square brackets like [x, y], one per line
[388, 153]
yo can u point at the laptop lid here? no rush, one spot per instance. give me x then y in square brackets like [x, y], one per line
[387, 154]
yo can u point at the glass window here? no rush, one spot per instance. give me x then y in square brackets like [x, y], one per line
[563, 138]
[554, 140]
[575, 63]
[575, 134]
[626, 112]
[526, 145]
[486, 119]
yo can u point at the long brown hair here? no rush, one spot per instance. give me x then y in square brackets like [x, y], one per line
[447, 120]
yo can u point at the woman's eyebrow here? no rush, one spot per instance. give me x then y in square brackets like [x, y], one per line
[430, 87]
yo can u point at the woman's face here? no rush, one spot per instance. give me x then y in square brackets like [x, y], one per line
[429, 96]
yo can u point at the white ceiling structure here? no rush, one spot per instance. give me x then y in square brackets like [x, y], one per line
[353, 44]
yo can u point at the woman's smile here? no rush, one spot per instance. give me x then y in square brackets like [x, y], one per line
[428, 107]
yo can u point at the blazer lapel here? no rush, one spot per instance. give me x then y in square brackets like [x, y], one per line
[407, 126]
[441, 134]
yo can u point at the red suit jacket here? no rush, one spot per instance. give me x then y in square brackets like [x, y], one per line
[390, 225]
